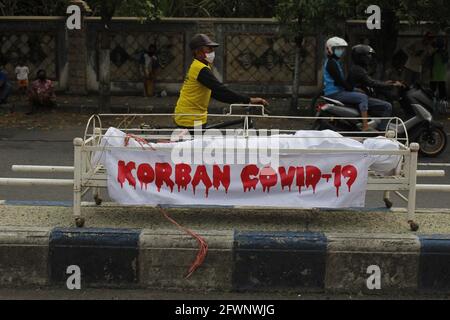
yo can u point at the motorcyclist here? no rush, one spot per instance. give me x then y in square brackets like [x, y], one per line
[335, 84]
[359, 78]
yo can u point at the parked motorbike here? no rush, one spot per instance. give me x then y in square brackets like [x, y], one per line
[417, 104]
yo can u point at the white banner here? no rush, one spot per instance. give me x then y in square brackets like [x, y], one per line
[149, 177]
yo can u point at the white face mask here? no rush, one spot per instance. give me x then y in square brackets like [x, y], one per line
[210, 57]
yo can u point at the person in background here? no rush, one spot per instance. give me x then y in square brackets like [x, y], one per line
[5, 87]
[200, 85]
[439, 62]
[335, 84]
[22, 72]
[395, 73]
[42, 93]
[417, 52]
[362, 57]
[149, 66]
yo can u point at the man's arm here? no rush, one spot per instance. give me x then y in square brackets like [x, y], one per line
[362, 77]
[219, 91]
[334, 71]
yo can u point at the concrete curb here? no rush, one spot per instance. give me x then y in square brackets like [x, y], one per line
[236, 261]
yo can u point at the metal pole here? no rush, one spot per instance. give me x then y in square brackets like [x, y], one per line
[434, 164]
[433, 187]
[42, 169]
[430, 173]
[398, 194]
[36, 182]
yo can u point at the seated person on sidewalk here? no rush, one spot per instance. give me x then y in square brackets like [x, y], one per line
[336, 87]
[41, 94]
[200, 85]
[362, 56]
[5, 87]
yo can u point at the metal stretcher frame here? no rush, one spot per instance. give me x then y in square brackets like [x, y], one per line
[88, 176]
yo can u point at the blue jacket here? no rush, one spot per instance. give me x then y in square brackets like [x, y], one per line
[333, 77]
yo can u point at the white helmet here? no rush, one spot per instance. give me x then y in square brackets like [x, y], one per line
[334, 43]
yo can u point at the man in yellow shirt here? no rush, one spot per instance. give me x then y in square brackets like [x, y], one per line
[200, 85]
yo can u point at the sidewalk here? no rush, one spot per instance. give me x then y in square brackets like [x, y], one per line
[76, 110]
[139, 104]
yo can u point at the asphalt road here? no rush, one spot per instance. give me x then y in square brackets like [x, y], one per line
[143, 294]
[53, 146]
[44, 146]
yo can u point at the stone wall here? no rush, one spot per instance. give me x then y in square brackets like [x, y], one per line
[254, 56]
[40, 42]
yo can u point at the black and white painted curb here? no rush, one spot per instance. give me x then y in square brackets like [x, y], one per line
[236, 260]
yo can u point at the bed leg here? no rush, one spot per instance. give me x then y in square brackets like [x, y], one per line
[387, 199]
[412, 187]
[77, 188]
[96, 194]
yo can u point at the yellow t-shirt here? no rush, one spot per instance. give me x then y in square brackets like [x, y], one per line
[194, 98]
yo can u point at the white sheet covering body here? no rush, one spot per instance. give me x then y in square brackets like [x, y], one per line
[153, 176]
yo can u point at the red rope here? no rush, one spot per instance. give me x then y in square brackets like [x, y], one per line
[142, 142]
[203, 246]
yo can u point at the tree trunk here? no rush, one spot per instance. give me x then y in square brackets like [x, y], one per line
[296, 81]
[387, 41]
[104, 72]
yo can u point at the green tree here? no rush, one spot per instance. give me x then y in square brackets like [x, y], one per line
[303, 17]
[107, 9]
[323, 16]
[32, 7]
[217, 8]
[435, 13]
[385, 39]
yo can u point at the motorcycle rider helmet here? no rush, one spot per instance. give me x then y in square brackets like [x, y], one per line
[362, 55]
[335, 43]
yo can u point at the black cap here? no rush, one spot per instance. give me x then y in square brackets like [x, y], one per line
[201, 40]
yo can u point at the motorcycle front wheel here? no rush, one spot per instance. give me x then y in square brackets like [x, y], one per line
[432, 141]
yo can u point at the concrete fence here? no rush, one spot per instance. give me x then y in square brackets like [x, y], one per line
[255, 57]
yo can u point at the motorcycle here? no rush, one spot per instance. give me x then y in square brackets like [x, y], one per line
[418, 106]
